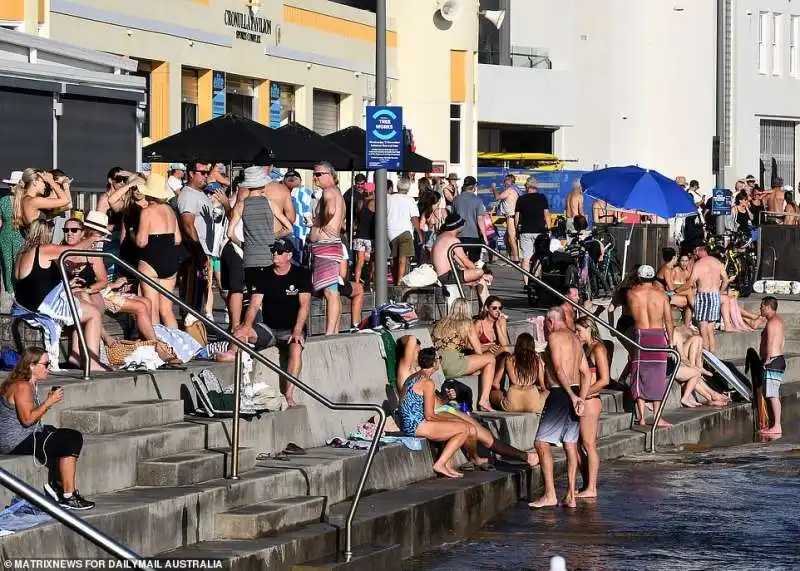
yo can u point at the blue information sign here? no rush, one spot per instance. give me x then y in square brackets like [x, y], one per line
[274, 105]
[218, 95]
[721, 201]
[384, 138]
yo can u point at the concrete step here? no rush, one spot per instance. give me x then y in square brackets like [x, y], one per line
[385, 558]
[108, 462]
[735, 344]
[152, 520]
[613, 423]
[269, 518]
[109, 419]
[192, 467]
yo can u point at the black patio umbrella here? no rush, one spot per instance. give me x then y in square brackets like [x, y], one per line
[228, 139]
[315, 148]
[354, 139]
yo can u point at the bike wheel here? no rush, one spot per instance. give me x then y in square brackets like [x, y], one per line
[747, 277]
[613, 275]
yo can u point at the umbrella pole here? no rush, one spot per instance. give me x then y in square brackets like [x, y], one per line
[625, 253]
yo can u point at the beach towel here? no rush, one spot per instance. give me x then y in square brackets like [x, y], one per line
[737, 321]
[648, 368]
[325, 259]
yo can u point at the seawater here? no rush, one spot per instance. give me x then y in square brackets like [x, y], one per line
[731, 508]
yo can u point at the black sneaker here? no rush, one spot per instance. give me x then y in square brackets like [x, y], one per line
[54, 490]
[76, 502]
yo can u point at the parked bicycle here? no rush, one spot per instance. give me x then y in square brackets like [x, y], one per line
[737, 252]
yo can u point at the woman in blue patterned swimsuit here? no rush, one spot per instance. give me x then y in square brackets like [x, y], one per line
[418, 417]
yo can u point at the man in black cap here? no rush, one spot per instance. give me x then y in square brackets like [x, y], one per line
[468, 273]
[473, 212]
[287, 299]
[353, 198]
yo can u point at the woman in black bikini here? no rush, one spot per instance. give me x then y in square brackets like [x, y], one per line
[599, 365]
[159, 238]
[36, 274]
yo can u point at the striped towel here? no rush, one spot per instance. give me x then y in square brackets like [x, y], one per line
[325, 259]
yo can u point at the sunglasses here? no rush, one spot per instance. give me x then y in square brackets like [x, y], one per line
[119, 179]
[204, 173]
[496, 307]
[73, 230]
[319, 174]
[278, 251]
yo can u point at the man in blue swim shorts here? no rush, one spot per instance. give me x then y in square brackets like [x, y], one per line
[773, 339]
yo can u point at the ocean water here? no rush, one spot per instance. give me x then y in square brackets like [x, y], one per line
[729, 508]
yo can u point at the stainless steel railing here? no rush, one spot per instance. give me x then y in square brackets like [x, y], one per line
[675, 355]
[76, 524]
[377, 409]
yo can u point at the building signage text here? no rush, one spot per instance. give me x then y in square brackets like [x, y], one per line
[249, 27]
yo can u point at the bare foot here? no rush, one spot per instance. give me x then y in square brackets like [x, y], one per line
[533, 459]
[689, 403]
[446, 471]
[719, 403]
[290, 401]
[544, 502]
[586, 494]
[774, 431]
[642, 422]
[664, 424]
[569, 502]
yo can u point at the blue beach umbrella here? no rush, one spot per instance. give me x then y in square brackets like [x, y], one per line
[635, 188]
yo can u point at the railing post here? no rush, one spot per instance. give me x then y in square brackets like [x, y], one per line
[237, 395]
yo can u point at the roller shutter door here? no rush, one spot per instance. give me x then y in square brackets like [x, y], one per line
[326, 112]
[93, 136]
[26, 130]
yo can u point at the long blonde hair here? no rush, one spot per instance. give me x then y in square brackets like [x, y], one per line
[29, 176]
[22, 371]
[458, 321]
[39, 233]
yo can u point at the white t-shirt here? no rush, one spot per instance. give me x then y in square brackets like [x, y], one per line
[400, 209]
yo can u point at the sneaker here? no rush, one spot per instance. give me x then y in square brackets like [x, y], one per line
[76, 502]
[54, 490]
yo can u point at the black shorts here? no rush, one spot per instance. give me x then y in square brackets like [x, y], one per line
[232, 270]
[473, 254]
[255, 279]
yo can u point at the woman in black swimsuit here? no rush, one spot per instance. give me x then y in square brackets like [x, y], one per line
[89, 276]
[599, 365]
[36, 274]
[159, 238]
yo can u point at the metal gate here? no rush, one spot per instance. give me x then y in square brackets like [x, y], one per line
[326, 112]
[777, 150]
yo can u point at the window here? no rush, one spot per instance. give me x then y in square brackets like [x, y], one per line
[777, 39]
[326, 112]
[794, 37]
[367, 102]
[763, 32]
[189, 94]
[455, 134]
[144, 70]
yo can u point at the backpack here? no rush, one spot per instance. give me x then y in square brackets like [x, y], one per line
[394, 315]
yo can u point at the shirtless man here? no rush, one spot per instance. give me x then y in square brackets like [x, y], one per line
[602, 213]
[772, 347]
[710, 280]
[508, 207]
[653, 327]
[560, 423]
[574, 205]
[774, 197]
[328, 226]
[469, 274]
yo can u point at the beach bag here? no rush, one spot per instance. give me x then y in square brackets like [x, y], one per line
[394, 315]
[422, 276]
[119, 352]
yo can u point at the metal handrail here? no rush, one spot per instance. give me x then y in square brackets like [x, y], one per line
[670, 350]
[76, 524]
[322, 399]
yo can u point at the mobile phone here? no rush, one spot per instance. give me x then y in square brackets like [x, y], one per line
[54, 388]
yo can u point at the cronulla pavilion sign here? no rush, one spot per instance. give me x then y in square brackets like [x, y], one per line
[248, 26]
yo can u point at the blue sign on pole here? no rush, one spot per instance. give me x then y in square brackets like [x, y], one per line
[218, 95]
[721, 201]
[384, 138]
[274, 105]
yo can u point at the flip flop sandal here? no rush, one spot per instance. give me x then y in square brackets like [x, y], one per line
[294, 450]
[487, 467]
[468, 467]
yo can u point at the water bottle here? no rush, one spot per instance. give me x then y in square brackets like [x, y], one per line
[464, 408]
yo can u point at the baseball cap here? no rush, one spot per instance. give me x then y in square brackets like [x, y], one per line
[282, 246]
[177, 167]
[470, 181]
[646, 272]
[291, 174]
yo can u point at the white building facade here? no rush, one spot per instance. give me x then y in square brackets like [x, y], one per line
[630, 82]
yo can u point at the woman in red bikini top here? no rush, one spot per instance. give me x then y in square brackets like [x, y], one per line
[492, 329]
